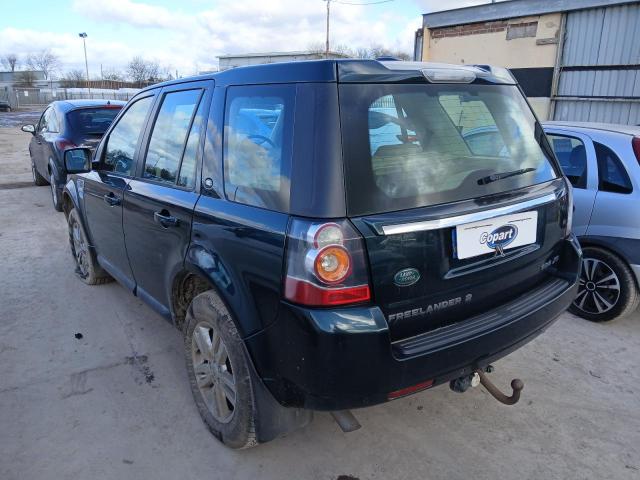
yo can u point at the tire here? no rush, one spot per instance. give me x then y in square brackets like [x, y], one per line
[55, 195]
[607, 287]
[211, 338]
[87, 268]
[38, 180]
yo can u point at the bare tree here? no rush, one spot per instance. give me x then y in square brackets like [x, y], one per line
[142, 71]
[74, 78]
[10, 61]
[112, 75]
[44, 60]
[26, 78]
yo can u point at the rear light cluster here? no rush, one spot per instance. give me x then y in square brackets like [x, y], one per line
[569, 206]
[635, 144]
[326, 264]
[64, 144]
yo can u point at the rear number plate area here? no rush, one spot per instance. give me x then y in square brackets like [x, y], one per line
[495, 235]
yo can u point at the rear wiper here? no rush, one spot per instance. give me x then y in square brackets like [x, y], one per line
[499, 176]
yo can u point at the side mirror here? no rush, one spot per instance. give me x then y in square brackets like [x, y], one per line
[77, 160]
[29, 129]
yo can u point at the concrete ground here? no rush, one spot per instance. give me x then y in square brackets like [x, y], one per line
[15, 169]
[93, 386]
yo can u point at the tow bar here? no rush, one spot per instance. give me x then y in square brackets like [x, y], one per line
[462, 384]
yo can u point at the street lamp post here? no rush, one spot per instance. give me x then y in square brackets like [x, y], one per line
[83, 36]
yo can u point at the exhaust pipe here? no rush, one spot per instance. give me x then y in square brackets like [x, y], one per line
[346, 421]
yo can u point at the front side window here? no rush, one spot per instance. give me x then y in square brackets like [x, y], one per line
[407, 146]
[123, 140]
[572, 155]
[612, 175]
[257, 145]
[169, 135]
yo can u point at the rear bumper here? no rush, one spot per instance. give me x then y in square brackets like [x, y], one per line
[343, 358]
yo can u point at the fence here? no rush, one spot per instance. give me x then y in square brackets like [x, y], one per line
[35, 97]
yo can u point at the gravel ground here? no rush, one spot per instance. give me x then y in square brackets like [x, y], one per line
[15, 166]
[93, 385]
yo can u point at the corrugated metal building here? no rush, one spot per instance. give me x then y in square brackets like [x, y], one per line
[576, 59]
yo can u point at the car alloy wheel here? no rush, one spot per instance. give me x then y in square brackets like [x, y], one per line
[599, 289]
[80, 250]
[54, 190]
[213, 372]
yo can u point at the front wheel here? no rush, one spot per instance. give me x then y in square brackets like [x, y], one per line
[607, 287]
[87, 267]
[55, 196]
[218, 372]
[38, 179]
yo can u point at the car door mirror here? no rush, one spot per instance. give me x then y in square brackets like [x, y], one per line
[77, 160]
[29, 129]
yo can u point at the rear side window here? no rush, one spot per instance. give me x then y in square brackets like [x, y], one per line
[92, 121]
[572, 155]
[123, 139]
[612, 174]
[408, 146]
[257, 145]
[169, 135]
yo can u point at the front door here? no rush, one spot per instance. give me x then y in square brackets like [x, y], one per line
[159, 201]
[104, 189]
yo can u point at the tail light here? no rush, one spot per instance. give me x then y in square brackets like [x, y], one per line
[570, 207]
[635, 143]
[64, 144]
[326, 264]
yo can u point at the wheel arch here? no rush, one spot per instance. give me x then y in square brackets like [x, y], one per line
[608, 244]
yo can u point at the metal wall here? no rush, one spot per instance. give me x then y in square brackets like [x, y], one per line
[599, 75]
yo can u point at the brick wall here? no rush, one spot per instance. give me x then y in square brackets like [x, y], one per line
[475, 28]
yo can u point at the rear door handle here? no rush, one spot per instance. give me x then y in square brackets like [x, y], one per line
[165, 219]
[111, 200]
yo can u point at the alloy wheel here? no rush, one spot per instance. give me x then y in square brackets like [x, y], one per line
[80, 249]
[213, 372]
[599, 289]
[54, 190]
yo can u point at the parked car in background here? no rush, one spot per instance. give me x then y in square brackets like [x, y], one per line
[5, 106]
[66, 124]
[324, 236]
[602, 162]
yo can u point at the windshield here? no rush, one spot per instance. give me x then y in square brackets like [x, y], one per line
[92, 120]
[408, 146]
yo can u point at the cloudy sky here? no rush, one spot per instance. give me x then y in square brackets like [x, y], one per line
[187, 35]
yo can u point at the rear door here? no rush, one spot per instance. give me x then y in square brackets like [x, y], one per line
[577, 159]
[159, 201]
[103, 188]
[615, 213]
[445, 238]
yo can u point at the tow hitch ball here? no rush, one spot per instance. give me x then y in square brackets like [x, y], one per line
[462, 384]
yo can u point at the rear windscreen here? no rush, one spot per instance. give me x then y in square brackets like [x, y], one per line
[92, 120]
[408, 146]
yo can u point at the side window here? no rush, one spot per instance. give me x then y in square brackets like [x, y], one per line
[612, 174]
[42, 125]
[572, 155]
[258, 141]
[169, 135]
[123, 139]
[52, 122]
[187, 176]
